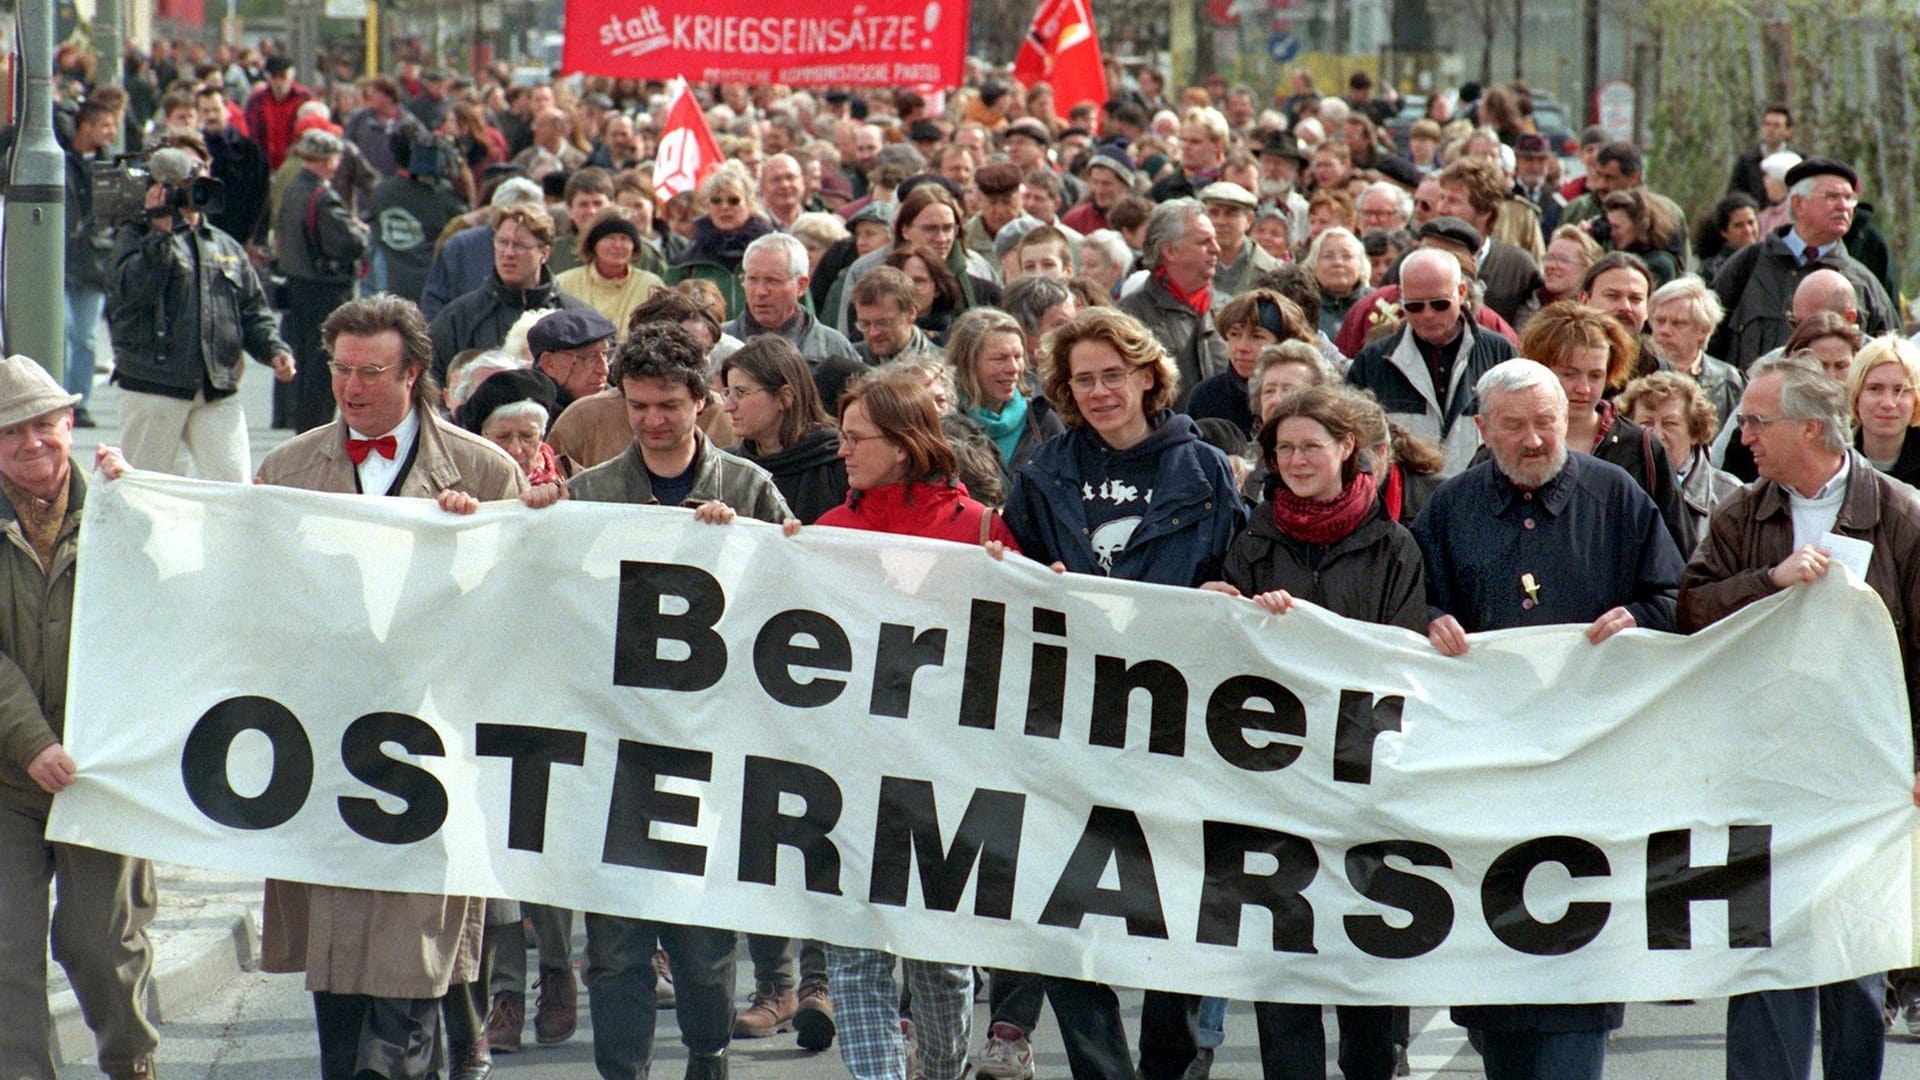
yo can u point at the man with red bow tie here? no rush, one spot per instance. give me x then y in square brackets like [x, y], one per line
[378, 963]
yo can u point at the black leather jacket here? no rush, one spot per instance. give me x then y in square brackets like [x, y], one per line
[185, 303]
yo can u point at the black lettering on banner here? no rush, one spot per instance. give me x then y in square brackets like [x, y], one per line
[1745, 882]
[1229, 887]
[1113, 836]
[1229, 718]
[980, 686]
[534, 752]
[203, 763]
[1047, 679]
[1114, 681]
[1427, 901]
[361, 752]
[908, 830]
[640, 626]
[777, 651]
[763, 828]
[638, 802]
[1362, 718]
[1503, 896]
[900, 656]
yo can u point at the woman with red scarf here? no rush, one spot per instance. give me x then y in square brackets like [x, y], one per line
[1323, 535]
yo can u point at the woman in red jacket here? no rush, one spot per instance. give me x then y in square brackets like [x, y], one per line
[901, 470]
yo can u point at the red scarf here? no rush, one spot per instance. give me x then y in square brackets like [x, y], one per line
[1396, 493]
[1200, 300]
[1314, 522]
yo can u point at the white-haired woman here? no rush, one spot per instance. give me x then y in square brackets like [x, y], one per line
[1338, 262]
[1683, 314]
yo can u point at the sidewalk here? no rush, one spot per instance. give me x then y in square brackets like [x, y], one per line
[206, 928]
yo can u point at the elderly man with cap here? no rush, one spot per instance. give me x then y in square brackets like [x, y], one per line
[320, 245]
[1002, 189]
[570, 351]
[184, 309]
[1423, 374]
[378, 963]
[1109, 179]
[1756, 286]
[1533, 180]
[1026, 141]
[103, 901]
[1230, 207]
[1281, 163]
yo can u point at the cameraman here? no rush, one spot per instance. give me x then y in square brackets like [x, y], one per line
[182, 303]
[320, 243]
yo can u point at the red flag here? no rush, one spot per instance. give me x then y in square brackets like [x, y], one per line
[1062, 51]
[687, 153]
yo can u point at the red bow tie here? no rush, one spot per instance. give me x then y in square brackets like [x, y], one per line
[358, 449]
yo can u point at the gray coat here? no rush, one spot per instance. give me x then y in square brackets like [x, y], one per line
[1195, 344]
[739, 483]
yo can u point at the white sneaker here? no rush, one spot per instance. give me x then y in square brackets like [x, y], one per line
[1006, 1059]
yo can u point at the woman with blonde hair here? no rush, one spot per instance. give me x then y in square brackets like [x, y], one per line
[1884, 386]
[729, 221]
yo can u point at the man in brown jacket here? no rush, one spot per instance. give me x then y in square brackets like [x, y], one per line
[378, 963]
[1769, 536]
[104, 901]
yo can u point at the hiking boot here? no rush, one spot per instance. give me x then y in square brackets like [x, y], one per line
[1008, 1055]
[557, 1011]
[769, 1013]
[472, 1063]
[813, 1016]
[663, 996]
[707, 1066]
[504, 1021]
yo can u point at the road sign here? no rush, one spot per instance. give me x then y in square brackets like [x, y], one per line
[1283, 45]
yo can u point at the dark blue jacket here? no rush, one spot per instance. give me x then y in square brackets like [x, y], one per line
[1591, 540]
[1195, 513]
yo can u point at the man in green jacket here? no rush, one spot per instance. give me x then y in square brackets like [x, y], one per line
[104, 900]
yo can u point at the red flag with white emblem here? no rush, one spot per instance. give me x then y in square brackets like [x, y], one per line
[687, 153]
[1062, 51]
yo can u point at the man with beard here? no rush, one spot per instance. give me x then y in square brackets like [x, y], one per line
[1536, 536]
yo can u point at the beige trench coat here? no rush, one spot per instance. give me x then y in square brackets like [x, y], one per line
[360, 941]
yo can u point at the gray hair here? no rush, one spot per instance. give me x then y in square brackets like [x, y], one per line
[1110, 244]
[1515, 375]
[795, 251]
[1340, 232]
[1402, 198]
[1809, 393]
[469, 374]
[517, 191]
[516, 411]
[1167, 225]
[1287, 352]
[817, 228]
[1692, 291]
[1028, 300]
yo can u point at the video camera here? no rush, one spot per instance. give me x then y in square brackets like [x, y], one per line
[120, 187]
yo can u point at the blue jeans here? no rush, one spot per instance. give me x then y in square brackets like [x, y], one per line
[1543, 1055]
[1770, 1034]
[84, 304]
[1213, 1023]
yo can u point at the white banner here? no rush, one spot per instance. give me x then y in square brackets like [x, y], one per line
[895, 743]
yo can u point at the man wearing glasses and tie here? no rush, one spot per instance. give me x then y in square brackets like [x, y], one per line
[1423, 374]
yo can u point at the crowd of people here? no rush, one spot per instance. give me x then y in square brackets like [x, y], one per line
[1273, 353]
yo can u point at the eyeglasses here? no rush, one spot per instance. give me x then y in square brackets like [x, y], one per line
[741, 393]
[1283, 451]
[596, 355]
[936, 230]
[1111, 379]
[522, 247]
[726, 200]
[852, 441]
[367, 372]
[1751, 423]
[1438, 303]
[868, 325]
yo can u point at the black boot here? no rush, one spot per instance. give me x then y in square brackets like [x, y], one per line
[707, 1066]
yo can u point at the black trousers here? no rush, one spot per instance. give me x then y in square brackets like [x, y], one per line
[1090, 1026]
[1293, 1041]
[308, 305]
[373, 1038]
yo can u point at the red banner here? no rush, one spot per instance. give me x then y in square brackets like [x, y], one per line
[809, 43]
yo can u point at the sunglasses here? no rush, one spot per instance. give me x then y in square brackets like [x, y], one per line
[1415, 307]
